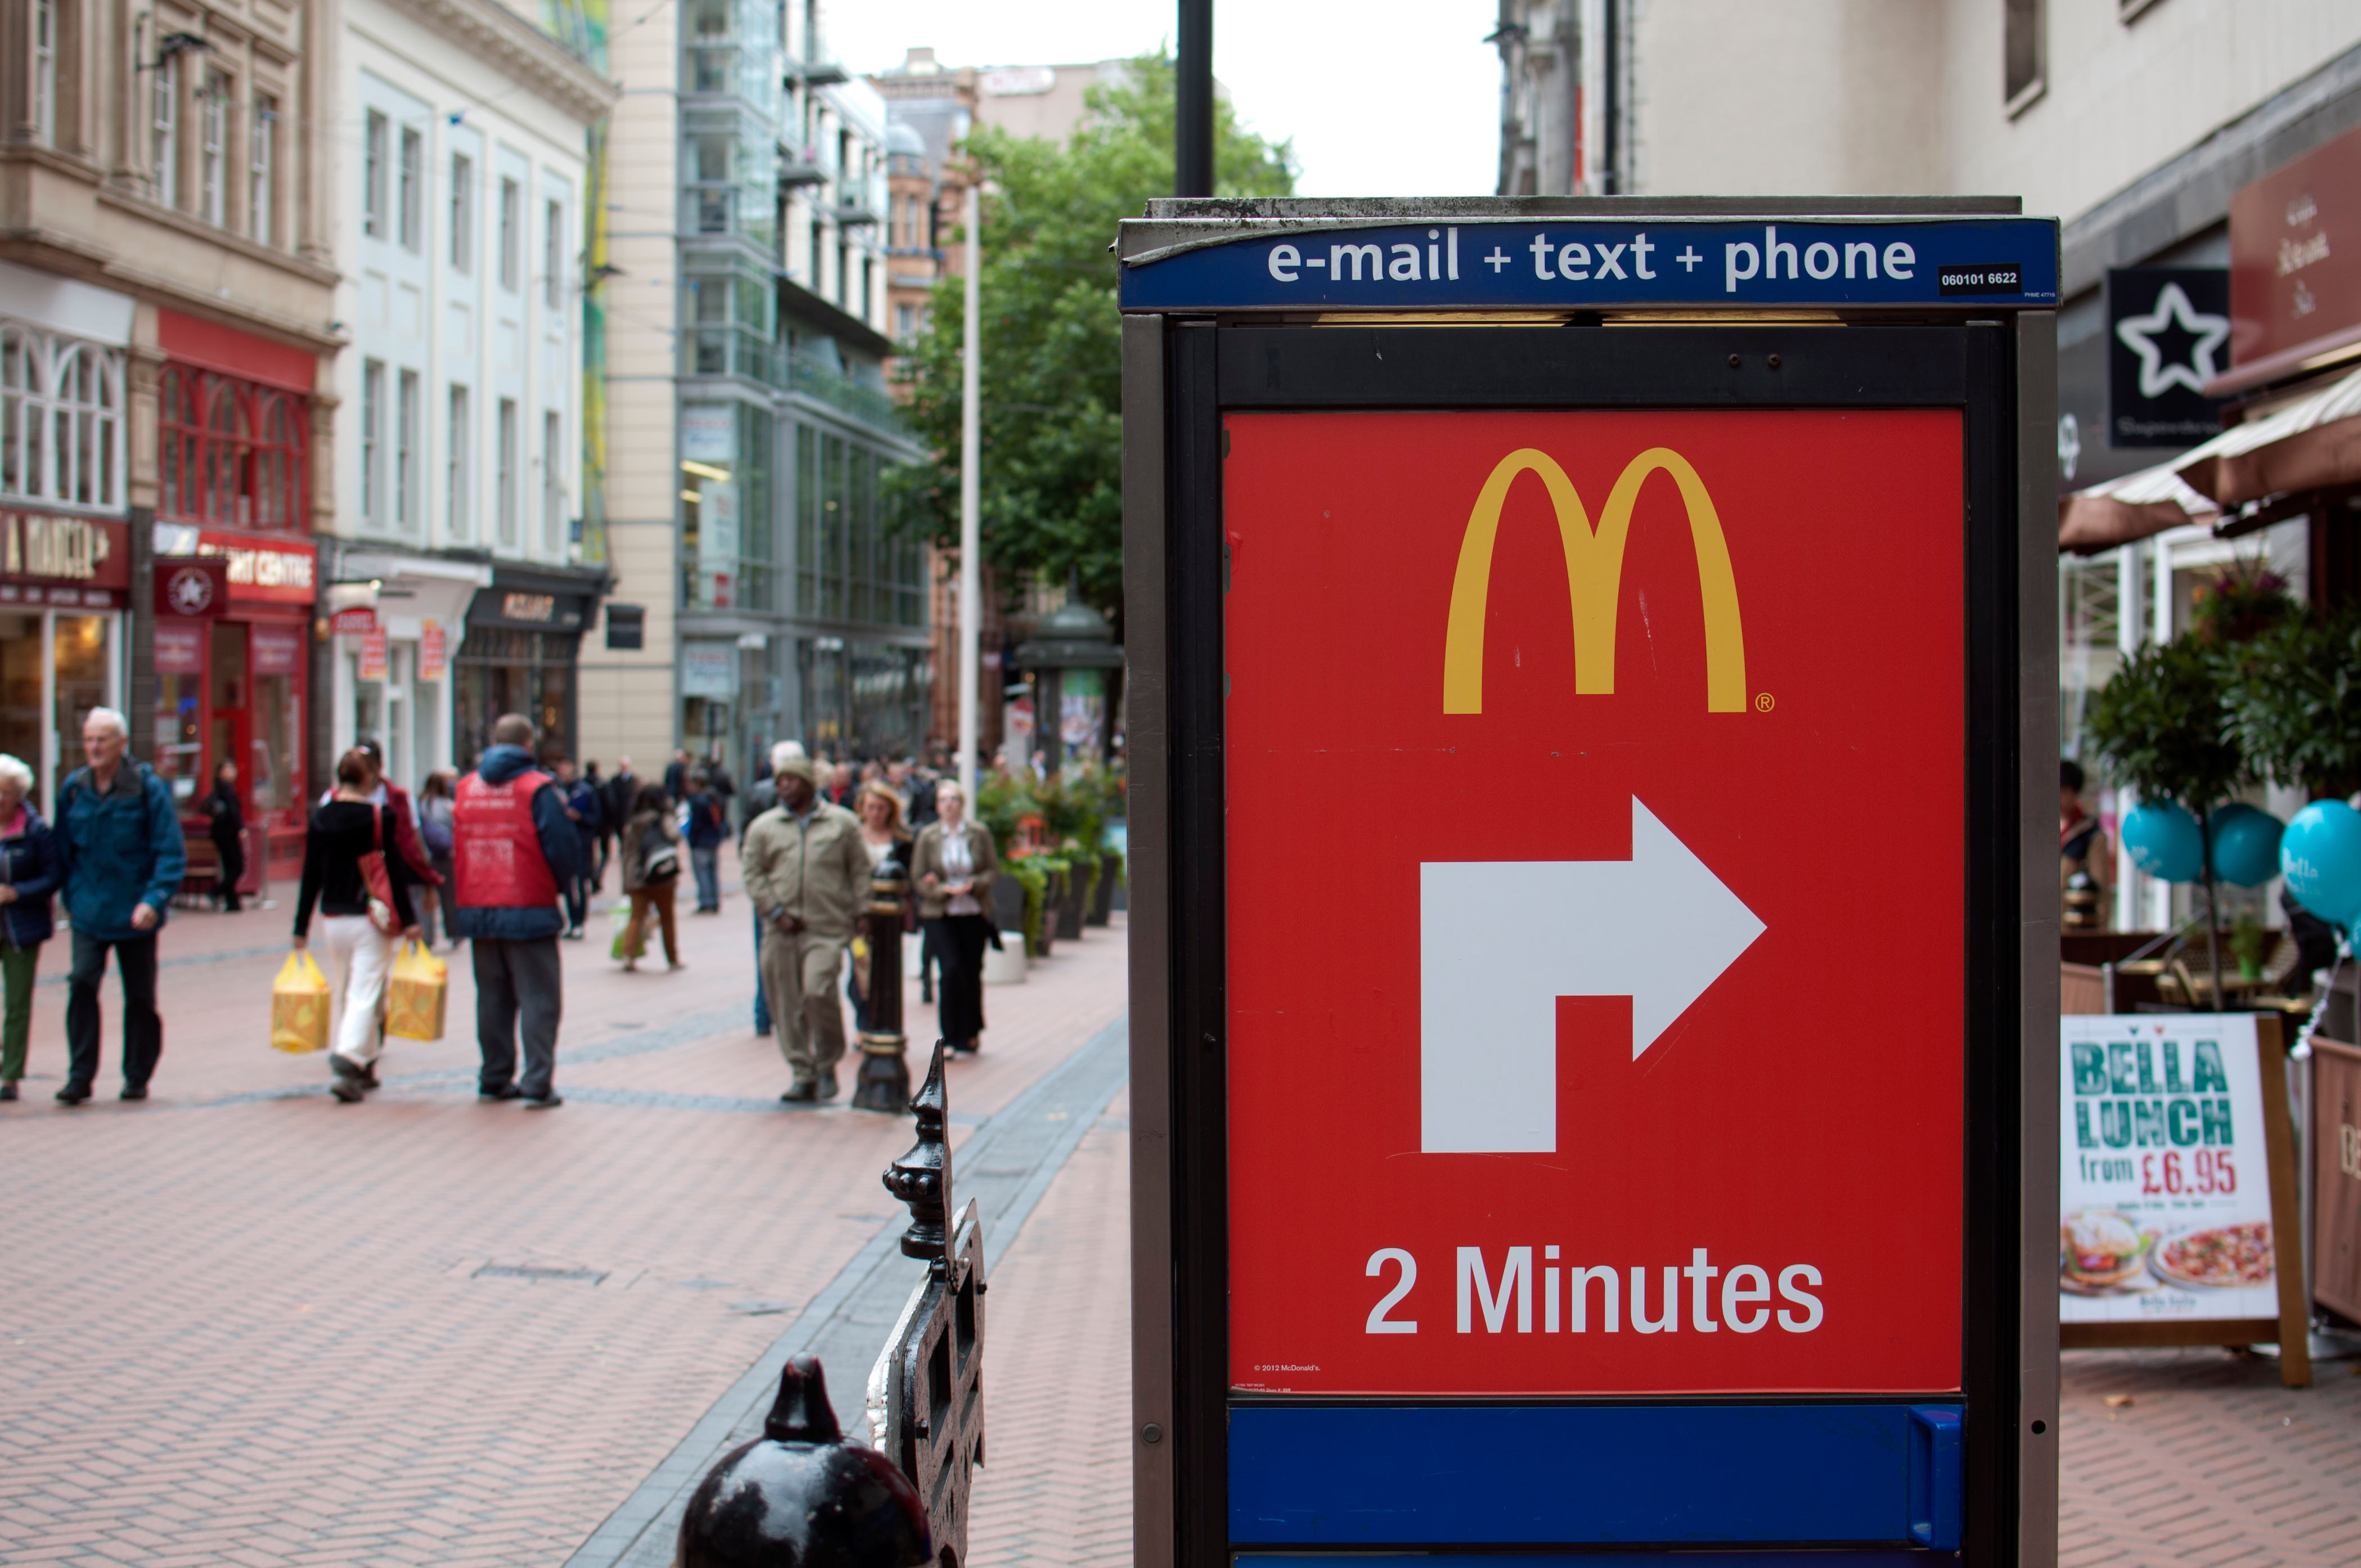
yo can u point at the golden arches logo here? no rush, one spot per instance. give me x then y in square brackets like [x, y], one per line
[1594, 579]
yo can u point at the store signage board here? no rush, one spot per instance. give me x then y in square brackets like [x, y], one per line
[1584, 1034]
[1545, 264]
[2168, 334]
[433, 652]
[2293, 235]
[1528, 1083]
[2180, 1220]
[2336, 1175]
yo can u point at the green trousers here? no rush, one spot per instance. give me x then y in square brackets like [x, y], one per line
[16, 966]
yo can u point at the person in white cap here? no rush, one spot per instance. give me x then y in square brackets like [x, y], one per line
[808, 873]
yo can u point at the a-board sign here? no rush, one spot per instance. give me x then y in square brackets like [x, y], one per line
[2336, 1175]
[2179, 1214]
[1556, 1128]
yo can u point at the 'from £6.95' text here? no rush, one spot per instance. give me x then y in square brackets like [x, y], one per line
[1575, 1299]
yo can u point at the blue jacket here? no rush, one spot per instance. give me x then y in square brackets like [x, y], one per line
[561, 846]
[35, 867]
[122, 848]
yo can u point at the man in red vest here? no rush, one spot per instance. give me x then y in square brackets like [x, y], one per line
[513, 846]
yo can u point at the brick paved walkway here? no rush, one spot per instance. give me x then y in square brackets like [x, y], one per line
[2204, 1459]
[244, 1324]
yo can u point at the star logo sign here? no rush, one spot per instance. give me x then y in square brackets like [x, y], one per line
[190, 590]
[2157, 375]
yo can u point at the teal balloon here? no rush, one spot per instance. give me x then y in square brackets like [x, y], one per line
[2319, 855]
[2165, 842]
[2245, 845]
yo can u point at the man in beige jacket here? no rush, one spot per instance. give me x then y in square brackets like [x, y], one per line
[808, 873]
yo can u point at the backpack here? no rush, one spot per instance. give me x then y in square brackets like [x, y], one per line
[663, 858]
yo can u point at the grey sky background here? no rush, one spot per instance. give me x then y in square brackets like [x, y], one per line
[1384, 98]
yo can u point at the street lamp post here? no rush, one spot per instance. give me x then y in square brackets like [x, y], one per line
[971, 593]
[1192, 152]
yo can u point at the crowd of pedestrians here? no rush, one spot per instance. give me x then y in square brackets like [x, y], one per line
[507, 859]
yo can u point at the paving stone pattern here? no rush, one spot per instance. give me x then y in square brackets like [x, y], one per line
[244, 1324]
[2205, 1459]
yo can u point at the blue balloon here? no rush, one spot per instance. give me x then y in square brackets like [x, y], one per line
[2245, 844]
[2319, 855]
[2165, 842]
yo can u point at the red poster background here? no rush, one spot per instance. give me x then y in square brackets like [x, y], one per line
[1807, 1108]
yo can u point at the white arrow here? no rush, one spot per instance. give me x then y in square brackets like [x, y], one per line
[1500, 941]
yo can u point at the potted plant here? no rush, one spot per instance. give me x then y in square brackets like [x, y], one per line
[2295, 702]
[2162, 725]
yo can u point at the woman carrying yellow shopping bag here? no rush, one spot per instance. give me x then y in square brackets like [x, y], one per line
[364, 895]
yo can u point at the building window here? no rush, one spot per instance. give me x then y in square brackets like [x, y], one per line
[213, 151]
[463, 214]
[405, 453]
[906, 322]
[552, 485]
[512, 240]
[844, 272]
[818, 249]
[234, 451]
[61, 418]
[261, 193]
[412, 208]
[373, 176]
[458, 444]
[44, 72]
[507, 475]
[552, 256]
[2025, 50]
[164, 130]
[373, 442]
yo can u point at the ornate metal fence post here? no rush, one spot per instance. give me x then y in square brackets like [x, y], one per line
[883, 1081]
[926, 1393]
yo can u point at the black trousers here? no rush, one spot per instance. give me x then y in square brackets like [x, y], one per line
[143, 1027]
[232, 850]
[517, 982]
[960, 942]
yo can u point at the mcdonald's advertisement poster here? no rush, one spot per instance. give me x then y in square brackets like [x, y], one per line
[2164, 1183]
[1594, 889]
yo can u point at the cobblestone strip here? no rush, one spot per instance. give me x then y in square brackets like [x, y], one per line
[1006, 1166]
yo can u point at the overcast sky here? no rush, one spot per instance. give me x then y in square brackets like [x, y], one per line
[1384, 98]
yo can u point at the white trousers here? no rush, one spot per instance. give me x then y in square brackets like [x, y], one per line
[360, 960]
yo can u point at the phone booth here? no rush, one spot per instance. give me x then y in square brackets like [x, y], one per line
[1594, 930]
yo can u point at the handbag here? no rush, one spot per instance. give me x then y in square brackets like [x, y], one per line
[380, 882]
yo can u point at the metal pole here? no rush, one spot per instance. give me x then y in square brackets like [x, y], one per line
[1193, 153]
[971, 586]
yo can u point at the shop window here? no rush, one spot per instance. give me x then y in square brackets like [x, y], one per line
[234, 451]
[79, 643]
[20, 688]
[61, 418]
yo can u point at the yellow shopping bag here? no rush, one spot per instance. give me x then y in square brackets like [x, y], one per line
[299, 1006]
[414, 997]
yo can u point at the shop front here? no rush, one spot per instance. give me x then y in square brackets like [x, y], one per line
[231, 685]
[524, 637]
[64, 582]
[399, 620]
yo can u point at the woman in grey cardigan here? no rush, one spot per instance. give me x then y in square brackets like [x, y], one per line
[952, 868]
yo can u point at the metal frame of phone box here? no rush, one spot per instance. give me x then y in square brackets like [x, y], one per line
[2291, 1330]
[1181, 374]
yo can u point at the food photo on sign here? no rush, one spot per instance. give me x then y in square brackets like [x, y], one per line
[2165, 1182]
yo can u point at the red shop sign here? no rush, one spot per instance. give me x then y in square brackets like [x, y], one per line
[191, 587]
[357, 621]
[1605, 1101]
[180, 648]
[51, 558]
[278, 650]
[262, 569]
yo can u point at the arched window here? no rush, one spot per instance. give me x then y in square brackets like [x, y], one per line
[234, 451]
[61, 425]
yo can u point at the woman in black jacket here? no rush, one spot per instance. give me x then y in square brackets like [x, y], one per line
[226, 828]
[343, 830]
[31, 869]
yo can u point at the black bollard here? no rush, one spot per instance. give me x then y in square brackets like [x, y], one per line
[801, 1497]
[883, 1081]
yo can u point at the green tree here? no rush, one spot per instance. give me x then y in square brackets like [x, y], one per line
[2295, 702]
[1051, 474]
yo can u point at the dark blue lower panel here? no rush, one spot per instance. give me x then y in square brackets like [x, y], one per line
[1604, 1474]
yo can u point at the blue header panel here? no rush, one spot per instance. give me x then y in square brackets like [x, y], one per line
[1980, 263]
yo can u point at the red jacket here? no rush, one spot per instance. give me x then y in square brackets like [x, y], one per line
[496, 850]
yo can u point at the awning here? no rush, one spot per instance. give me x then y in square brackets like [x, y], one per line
[2315, 445]
[2130, 508]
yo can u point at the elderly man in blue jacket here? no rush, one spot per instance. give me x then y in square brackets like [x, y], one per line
[121, 839]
